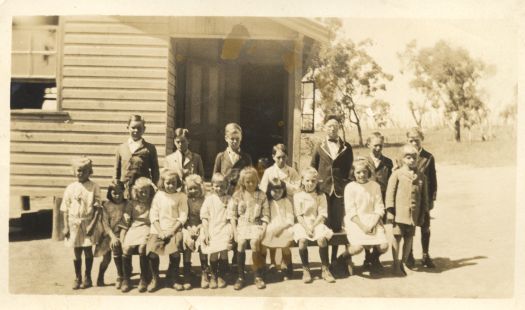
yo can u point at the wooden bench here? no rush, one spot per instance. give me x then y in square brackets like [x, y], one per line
[337, 239]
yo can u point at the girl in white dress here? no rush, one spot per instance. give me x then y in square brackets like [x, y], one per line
[134, 232]
[249, 214]
[311, 211]
[216, 230]
[168, 214]
[279, 233]
[192, 230]
[280, 171]
[364, 210]
[80, 199]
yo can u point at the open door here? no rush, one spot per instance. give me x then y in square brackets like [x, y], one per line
[262, 108]
[202, 109]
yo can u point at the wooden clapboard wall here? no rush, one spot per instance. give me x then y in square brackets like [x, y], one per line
[111, 67]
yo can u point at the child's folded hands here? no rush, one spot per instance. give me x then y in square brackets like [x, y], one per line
[115, 242]
[310, 232]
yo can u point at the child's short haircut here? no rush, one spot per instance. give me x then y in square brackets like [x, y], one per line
[361, 162]
[415, 132]
[232, 128]
[279, 147]
[217, 177]
[408, 149]
[275, 184]
[195, 179]
[82, 162]
[246, 172]
[329, 117]
[136, 118]
[141, 183]
[182, 132]
[375, 135]
[114, 186]
[166, 174]
[311, 171]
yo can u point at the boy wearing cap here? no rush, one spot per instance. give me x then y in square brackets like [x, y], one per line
[406, 203]
[78, 203]
[426, 165]
[333, 159]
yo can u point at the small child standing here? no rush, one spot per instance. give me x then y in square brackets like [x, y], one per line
[364, 212]
[311, 212]
[406, 204]
[426, 164]
[249, 214]
[382, 171]
[134, 232]
[279, 233]
[192, 231]
[169, 212]
[216, 230]
[80, 198]
[112, 213]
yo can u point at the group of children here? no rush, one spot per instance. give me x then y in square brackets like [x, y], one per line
[169, 212]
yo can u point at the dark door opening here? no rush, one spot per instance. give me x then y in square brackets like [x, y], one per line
[262, 108]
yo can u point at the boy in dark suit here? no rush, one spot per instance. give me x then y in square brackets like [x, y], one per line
[230, 162]
[135, 158]
[333, 158]
[426, 165]
[382, 170]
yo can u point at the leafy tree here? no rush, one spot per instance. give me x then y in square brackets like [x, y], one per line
[380, 112]
[417, 110]
[346, 75]
[447, 77]
[510, 112]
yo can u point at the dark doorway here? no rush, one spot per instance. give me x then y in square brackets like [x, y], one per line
[212, 92]
[262, 106]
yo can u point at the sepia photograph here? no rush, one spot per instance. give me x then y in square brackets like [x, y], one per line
[259, 155]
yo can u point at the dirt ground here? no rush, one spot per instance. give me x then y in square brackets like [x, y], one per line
[472, 245]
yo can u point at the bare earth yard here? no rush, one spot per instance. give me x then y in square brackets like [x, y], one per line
[472, 245]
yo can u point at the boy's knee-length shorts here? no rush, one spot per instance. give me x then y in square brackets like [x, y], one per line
[403, 230]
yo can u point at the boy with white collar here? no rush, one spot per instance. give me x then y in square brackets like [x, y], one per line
[333, 159]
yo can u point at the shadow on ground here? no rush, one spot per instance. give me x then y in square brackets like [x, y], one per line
[445, 264]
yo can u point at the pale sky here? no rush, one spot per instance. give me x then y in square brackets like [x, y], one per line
[494, 41]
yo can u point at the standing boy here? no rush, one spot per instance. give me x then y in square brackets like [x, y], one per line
[333, 159]
[230, 162]
[426, 165]
[382, 170]
[135, 158]
[406, 205]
